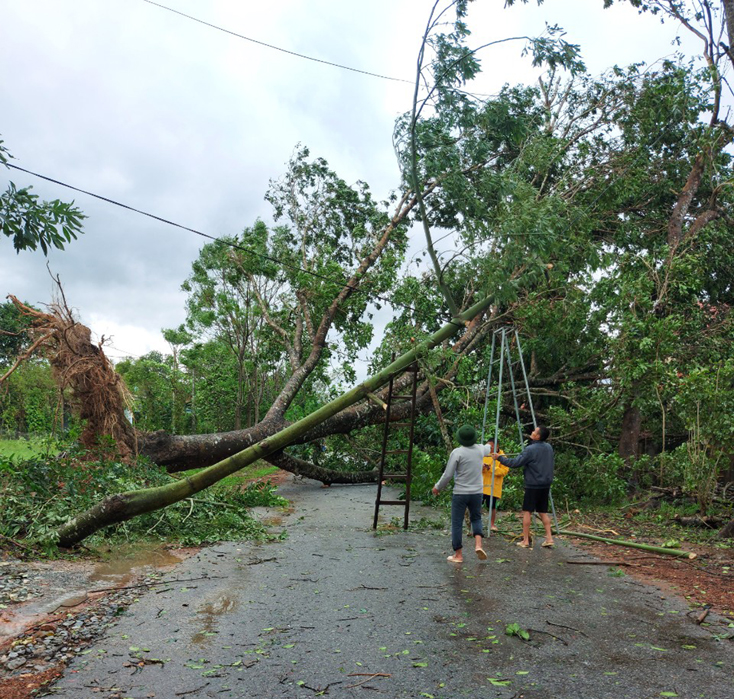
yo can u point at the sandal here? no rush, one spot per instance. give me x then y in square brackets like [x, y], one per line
[523, 545]
[481, 554]
[454, 559]
[548, 544]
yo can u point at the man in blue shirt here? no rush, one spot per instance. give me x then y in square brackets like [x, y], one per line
[537, 461]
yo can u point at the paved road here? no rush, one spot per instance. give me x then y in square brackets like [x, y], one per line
[320, 612]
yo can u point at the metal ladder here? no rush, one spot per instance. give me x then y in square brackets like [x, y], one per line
[406, 475]
[505, 357]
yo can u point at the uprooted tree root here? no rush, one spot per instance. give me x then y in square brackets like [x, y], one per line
[97, 392]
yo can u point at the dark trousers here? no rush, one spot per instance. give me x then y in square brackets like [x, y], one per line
[459, 503]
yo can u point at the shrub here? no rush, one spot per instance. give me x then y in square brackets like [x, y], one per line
[41, 493]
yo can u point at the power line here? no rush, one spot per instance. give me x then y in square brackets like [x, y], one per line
[249, 251]
[278, 48]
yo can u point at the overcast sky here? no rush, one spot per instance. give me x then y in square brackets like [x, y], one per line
[138, 104]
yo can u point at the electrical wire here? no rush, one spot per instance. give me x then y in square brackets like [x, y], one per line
[249, 251]
[301, 55]
[278, 48]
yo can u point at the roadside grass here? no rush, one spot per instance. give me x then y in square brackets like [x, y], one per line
[257, 471]
[22, 449]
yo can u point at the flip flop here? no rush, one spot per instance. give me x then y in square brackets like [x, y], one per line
[548, 544]
[481, 554]
[453, 559]
[523, 545]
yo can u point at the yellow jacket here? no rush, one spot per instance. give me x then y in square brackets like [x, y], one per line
[500, 472]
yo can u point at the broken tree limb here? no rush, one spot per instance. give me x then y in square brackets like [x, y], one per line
[377, 401]
[123, 506]
[700, 521]
[702, 616]
[633, 544]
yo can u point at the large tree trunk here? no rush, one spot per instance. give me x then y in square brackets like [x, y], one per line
[629, 440]
[124, 506]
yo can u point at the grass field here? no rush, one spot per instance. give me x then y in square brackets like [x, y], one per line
[239, 480]
[21, 449]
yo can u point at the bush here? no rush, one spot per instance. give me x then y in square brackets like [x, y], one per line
[41, 493]
[594, 479]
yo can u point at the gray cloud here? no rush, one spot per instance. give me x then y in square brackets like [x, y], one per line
[143, 106]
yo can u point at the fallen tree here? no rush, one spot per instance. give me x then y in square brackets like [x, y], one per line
[81, 369]
[124, 506]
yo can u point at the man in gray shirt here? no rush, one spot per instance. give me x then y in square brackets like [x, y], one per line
[465, 467]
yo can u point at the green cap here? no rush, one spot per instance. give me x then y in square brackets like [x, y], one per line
[466, 435]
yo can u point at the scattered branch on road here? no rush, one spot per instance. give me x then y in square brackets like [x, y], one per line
[561, 626]
[370, 676]
[192, 691]
[632, 544]
[548, 633]
[599, 563]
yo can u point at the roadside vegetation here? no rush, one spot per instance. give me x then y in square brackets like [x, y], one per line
[43, 483]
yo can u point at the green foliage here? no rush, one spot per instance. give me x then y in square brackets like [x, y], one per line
[149, 380]
[29, 400]
[43, 492]
[13, 339]
[32, 223]
[427, 469]
[516, 630]
[259, 494]
[594, 478]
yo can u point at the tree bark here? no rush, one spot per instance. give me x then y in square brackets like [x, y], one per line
[629, 440]
[727, 531]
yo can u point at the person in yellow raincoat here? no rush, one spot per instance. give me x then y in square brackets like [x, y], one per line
[500, 472]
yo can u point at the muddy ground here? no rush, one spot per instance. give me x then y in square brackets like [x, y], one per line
[335, 609]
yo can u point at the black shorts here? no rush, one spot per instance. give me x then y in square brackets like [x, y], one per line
[485, 501]
[536, 500]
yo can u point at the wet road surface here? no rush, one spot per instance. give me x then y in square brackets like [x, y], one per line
[335, 610]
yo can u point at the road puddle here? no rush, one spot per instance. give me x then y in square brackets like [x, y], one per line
[53, 588]
[209, 614]
[124, 563]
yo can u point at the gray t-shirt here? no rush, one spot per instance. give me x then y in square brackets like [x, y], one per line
[465, 466]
